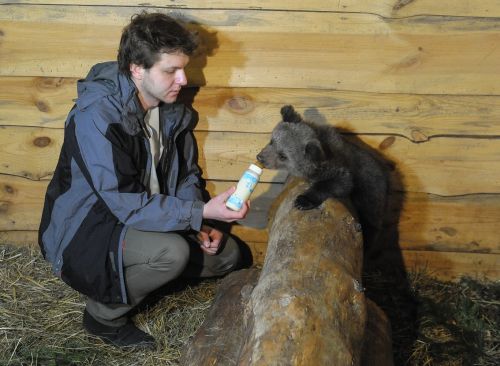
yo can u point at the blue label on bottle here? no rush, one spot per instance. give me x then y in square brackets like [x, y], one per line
[235, 201]
[250, 181]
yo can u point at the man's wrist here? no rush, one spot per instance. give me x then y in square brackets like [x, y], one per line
[197, 215]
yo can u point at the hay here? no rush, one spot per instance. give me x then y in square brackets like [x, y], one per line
[434, 323]
[40, 318]
[439, 323]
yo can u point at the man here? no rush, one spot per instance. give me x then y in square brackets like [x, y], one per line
[123, 212]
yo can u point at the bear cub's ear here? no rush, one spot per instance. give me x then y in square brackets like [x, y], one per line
[289, 114]
[314, 151]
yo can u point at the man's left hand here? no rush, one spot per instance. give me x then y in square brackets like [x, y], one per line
[210, 239]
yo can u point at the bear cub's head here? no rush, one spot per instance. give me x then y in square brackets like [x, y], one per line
[294, 146]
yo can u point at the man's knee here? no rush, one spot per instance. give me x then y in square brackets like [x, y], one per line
[172, 256]
[228, 259]
[234, 255]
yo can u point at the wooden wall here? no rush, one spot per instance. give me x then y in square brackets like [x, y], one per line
[419, 80]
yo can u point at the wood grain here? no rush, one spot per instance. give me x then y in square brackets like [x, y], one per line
[390, 8]
[443, 265]
[443, 165]
[417, 80]
[45, 102]
[426, 222]
[249, 48]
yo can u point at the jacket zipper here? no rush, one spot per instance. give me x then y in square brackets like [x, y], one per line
[167, 150]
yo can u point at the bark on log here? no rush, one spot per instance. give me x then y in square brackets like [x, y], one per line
[307, 307]
[219, 339]
[377, 347]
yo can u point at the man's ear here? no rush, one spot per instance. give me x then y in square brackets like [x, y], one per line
[314, 152]
[137, 71]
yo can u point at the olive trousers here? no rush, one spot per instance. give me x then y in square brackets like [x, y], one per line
[152, 259]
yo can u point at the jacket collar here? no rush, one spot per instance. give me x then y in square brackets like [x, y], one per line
[105, 80]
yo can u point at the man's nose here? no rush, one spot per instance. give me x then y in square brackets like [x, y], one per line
[180, 77]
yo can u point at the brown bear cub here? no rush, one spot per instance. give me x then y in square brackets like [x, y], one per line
[334, 167]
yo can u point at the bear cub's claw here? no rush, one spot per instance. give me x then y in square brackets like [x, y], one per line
[302, 202]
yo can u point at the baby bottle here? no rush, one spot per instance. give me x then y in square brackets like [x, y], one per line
[245, 187]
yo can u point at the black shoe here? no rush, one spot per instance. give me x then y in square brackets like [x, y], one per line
[127, 335]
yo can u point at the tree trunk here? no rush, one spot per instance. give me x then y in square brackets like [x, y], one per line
[307, 307]
[219, 339]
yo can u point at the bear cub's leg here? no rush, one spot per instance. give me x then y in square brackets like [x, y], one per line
[311, 198]
[318, 193]
[338, 184]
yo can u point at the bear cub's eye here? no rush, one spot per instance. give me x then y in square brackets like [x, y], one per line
[282, 156]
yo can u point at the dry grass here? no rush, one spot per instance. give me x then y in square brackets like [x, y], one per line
[40, 319]
[434, 323]
[440, 323]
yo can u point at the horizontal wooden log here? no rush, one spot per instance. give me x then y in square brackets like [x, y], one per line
[439, 264]
[426, 222]
[392, 8]
[29, 152]
[452, 266]
[433, 223]
[45, 102]
[453, 224]
[248, 48]
[448, 266]
[438, 166]
[36, 102]
[25, 238]
[444, 236]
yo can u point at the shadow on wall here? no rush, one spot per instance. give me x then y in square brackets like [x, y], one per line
[376, 261]
[208, 44]
[207, 52]
[383, 263]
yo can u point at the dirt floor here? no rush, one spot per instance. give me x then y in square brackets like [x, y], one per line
[434, 323]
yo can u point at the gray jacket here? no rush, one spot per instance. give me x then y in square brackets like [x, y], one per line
[101, 182]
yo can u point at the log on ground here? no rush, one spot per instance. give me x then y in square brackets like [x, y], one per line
[308, 306]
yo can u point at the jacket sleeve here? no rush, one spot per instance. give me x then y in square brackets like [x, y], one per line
[116, 178]
[190, 184]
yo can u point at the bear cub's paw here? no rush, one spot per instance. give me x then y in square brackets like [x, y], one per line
[303, 202]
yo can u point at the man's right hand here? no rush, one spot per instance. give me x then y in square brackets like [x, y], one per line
[216, 209]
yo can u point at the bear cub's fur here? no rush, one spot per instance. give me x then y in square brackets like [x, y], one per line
[334, 167]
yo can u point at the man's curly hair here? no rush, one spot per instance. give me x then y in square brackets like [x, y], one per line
[148, 36]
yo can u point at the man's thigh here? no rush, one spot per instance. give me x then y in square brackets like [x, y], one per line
[148, 247]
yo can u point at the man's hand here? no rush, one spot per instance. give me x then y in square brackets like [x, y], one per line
[216, 209]
[210, 239]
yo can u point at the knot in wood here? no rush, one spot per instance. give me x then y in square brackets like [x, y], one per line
[418, 136]
[48, 83]
[42, 106]
[4, 206]
[240, 104]
[42, 141]
[387, 142]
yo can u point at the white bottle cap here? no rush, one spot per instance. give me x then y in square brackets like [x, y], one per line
[255, 169]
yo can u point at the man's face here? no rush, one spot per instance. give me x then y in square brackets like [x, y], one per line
[163, 81]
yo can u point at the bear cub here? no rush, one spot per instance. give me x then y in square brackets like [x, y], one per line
[333, 166]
